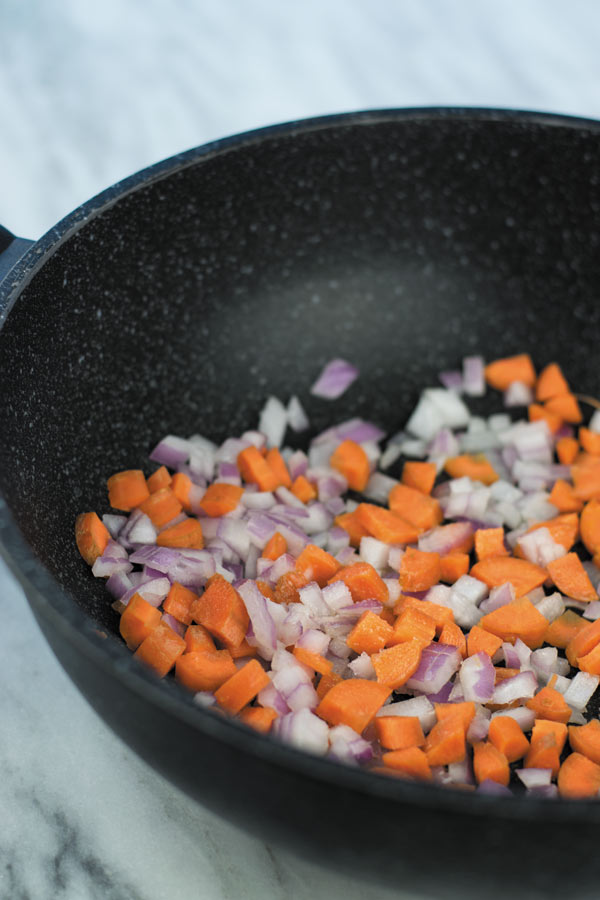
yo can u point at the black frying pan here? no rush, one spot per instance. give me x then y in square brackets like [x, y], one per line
[175, 301]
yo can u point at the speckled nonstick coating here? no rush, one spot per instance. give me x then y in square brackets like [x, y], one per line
[177, 300]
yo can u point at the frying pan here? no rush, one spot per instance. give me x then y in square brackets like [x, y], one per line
[179, 299]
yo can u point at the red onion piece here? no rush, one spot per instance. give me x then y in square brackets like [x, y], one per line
[519, 687]
[263, 625]
[235, 534]
[336, 377]
[438, 664]
[114, 524]
[171, 621]
[499, 596]
[314, 640]
[523, 716]
[534, 777]
[118, 584]
[445, 538]
[347, 746]
[473, 377]
[104, 567]
[518, 394]
[452, 381]
[487, 786]
[336, 596]
[303, 730]
[271, 698]
[171, 451]
[477, 676]
[297, 464]
[362, 667]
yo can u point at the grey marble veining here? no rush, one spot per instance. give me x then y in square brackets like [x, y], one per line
[90, 92]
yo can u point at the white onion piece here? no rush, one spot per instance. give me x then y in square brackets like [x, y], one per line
[313, 639]
[390, 455]
[171, 451]
[296, 416]
[534, 777]
[303, 730]
[581, 690]
[312, 598]
[262, 622]
[473, 376]
[519, 687]
[592, 610]
[478, 728]
[362, 667]
[540, 548]
[420, 707]
[374, 552]
[378, 487]
[594, 423]
[518, 394]
[523, 716]
[336, 595]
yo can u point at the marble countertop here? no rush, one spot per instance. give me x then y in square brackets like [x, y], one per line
[89, 93]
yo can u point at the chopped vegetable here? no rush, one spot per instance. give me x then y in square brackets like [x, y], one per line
[423, 626]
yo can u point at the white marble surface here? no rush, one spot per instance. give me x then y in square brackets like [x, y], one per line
[90, 92]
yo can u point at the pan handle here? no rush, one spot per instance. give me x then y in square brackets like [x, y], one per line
[11, 250]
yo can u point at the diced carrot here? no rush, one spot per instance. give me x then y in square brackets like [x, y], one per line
[353, 702]
[564, 629]
[522, 574]
[287, 587]
[490, 764]
[453, 566]
[544, 727]
[363, 582]
[370, 634]
[586, 477]
[221, 498]
[413, 624]
[501, 373]
[303, 489]
[161, 507]
[242, 650]
[138, 620]
[410, 763]
[258, 717]
[387, 615]
[349, 522]
[254, 469]
[181, 485]
[419, 475]
[550, 383]
[204, 670]
[453, 636]
[567, 449]
[570, 578]
[490, 542]
[479, 640]
[178, 603]
[197, 638]
[265, 589]
[590, 441]
[563, 497]
[418, 509]
[590, 662]
[91, 536]
[317, 565]
[441, 615]
[222, 612]
[543, 753]
[127, 489]
[161, 649]
[184, 534]
[566, 407]
[476, 466]
[313, 660]
[583, 641]
[538, 413]
[578, 777]
[564, 529]
[586, 739]
[242, 687]
[395, 665]
[158, 479]
[276, 462]
[352, 462]
[384, 525]
[464, 711]
[446, 743]
[589, 524]
[275, 547]
[419, 570]
[326, 682]
[549, 703]
[519, 619]
[506, 735]
[399, 732]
